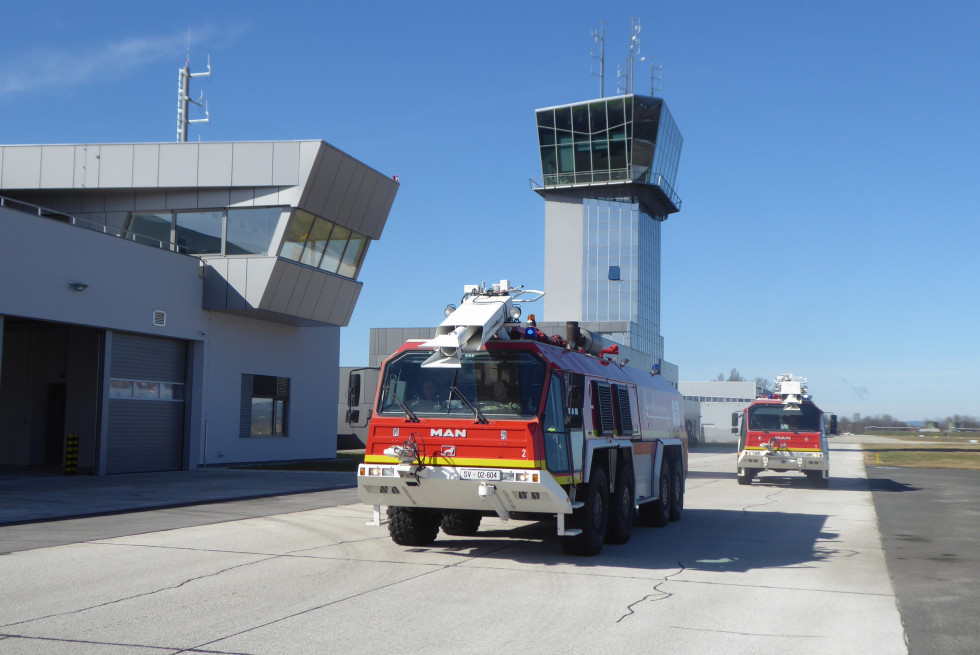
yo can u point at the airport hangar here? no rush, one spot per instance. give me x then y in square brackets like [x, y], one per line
[176, 305]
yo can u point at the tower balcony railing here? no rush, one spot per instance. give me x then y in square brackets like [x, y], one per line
[613, 176]
[95, 226]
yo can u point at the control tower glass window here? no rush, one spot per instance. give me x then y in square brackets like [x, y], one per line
[623, 139]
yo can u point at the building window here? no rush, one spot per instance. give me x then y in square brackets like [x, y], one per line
[319, 243]
[265, 406]
[614, 272]
[207, 232]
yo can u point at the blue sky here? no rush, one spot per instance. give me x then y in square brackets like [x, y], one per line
[829, 174]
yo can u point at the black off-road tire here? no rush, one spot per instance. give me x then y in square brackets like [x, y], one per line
[676, 490]
[460, 522]
[413, 526]
[622, 506]
[656, 513]
[745, 476]
[591, 518]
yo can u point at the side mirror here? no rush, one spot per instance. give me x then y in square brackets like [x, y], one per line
[353, 391]
[734, 421]
[833, 424]
[353, 416]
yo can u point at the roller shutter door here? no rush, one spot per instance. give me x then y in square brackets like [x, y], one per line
[146, 418]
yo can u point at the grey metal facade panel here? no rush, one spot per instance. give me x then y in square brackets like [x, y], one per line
[58, 166]
[313, 290]
[144, 436]
[21, 168]
[353, 220]
[299, 292]
[93, 202]
[150, 201]
[309, 156]
[181, 199]
[263, 274]
[285, 163]
[86, 167]
[237, 277]
[146, 165]
[363, 199]
[339, 308]
[252, 164]
[318, 186]
[213, 198]
[216, 285]
[178, 165]
[214, 165]
[339, 187]
[120, 202]
[276, 297]
[116, 166]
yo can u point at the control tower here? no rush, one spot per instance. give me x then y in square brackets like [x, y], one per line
[608, 172]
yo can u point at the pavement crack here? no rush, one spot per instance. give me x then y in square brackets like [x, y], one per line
[141, 595]
[770, 500]
[663, 595]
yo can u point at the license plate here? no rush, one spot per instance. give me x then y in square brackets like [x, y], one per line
[479, 474]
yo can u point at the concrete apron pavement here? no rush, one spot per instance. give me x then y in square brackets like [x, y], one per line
[810, 562]
[26, 499]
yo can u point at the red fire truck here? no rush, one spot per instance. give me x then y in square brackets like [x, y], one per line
[493, 417]
[784, 431]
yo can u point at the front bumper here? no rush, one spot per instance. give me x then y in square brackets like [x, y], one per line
[783, 460]
[443, 487]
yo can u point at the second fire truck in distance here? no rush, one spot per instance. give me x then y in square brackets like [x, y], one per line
[784, 431]
[494, 417]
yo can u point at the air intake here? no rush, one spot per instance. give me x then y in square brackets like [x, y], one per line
[159, 317]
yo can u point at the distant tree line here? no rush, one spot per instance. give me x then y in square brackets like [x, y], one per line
[858, 423]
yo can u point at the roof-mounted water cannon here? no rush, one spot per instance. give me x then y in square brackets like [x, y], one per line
[791, 390]
[481, 314]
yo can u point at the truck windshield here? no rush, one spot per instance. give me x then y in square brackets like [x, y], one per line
[498, 384]
[777, 418]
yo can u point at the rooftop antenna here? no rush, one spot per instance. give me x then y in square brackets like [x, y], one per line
[634, 50]
[656, 75]
[183, 96]
[600, 38]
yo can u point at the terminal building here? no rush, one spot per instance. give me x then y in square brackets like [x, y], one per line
[168, 306]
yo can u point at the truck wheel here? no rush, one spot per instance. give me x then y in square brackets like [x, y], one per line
[676, 490]
[591, 518]
[461, 522]
[413, 526]
[622, 507]
[818, 480]
[656, 513]
[745, 476]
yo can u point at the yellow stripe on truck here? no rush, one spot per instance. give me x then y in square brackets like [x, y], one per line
[439, 460]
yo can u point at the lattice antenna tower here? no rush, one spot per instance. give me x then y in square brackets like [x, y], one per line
[599, 38]
[183, 96]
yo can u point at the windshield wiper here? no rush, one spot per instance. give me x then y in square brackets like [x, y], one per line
[480, 418]
[409, 413]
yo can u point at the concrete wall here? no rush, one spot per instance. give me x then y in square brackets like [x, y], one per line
[563, 255]
[307, 356]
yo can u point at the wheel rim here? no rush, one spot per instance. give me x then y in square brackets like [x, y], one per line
[626, 504]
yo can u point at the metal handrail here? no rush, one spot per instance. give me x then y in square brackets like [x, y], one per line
[88, 224]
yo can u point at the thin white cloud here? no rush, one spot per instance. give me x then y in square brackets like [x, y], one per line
[54, 68]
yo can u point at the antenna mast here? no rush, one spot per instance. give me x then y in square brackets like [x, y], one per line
[600, 38]
[634, 50]
[183, 97]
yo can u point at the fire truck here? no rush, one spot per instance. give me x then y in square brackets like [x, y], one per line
[493, 417]
[784, 431]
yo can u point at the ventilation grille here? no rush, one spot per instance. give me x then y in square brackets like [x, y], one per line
[159, 317]
[624, 417]
[602, 396]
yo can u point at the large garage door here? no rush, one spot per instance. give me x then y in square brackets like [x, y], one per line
[146, 404]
